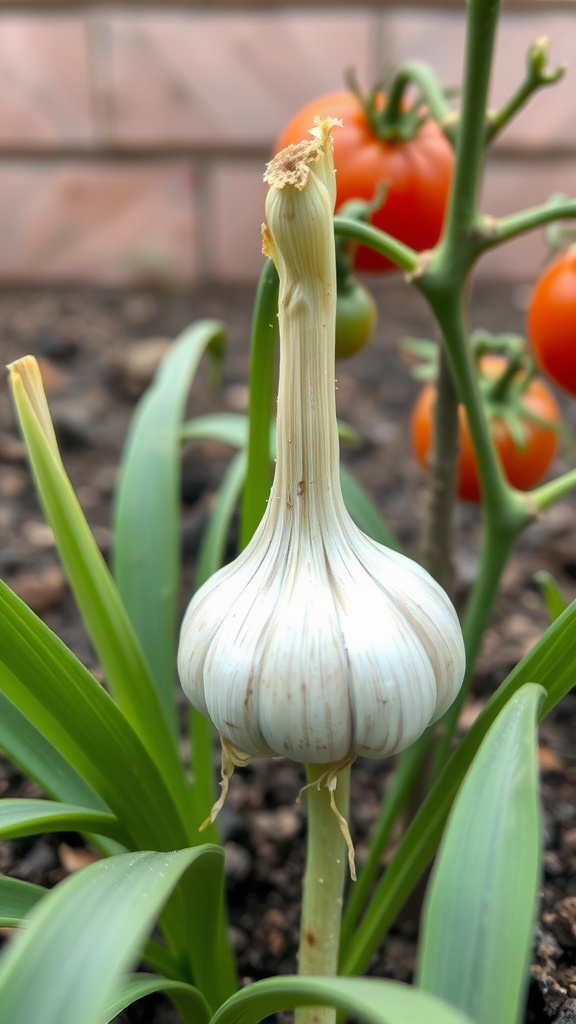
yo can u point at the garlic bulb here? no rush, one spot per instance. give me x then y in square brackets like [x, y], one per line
[316, 643]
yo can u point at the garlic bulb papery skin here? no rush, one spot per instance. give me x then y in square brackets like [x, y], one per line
[316, 643]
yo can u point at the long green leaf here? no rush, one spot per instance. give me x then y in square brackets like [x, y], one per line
[227, 427]
[364, 512]
[552, 664]
[146, 556]
[232, 428]
[27, 747]
[44, 680]
[213, 546]
[210, 558]
[30, 817]
[551, 593]
[407, 771]
[480, 908]
[160, 959]
[191, 1003]
[367, 999]
[63, 700]
[96, 594]
[68, 964]
[261, 392]
[17, 899]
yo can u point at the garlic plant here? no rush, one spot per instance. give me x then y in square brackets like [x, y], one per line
[316, 643]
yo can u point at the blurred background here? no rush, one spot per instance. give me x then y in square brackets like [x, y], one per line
[133, 136]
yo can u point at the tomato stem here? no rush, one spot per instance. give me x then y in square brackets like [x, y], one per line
[538, 76]
[498, 538]
[552, 491]
[490, 232]
[437, 546]
[403, 256]
[444, 284]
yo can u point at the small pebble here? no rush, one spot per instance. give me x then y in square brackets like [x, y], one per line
[238, 862]
[11, 448]
[567, 1014]
[132, 367]
[13, 483]
[38, 534]
[40, 591]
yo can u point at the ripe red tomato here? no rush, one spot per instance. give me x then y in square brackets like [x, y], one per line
[552, 321]
[416, 173]
[523, 466]
[356, 315]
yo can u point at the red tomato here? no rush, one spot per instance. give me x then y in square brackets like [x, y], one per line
[524, 466]
[552, 321]
[416, 173]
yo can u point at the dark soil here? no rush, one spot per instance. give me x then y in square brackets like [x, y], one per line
[97, 350]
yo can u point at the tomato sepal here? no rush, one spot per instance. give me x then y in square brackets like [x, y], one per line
[524, 424]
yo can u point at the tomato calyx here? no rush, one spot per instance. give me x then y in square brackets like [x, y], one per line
[505, 373]
[522, 415]
[392, 116]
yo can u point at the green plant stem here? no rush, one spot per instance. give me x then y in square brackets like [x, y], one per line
[493, 557]
[537, 76]
[506, 511]
[261, 382]
[403, 256]
[202, 765]
[443, 283]
[437, 545]
[442, 280]
[552, 491]
[326, 866]
[492, 482]
[480, 37]
[490, 232]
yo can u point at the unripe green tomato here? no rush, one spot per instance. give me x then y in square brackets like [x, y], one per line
[356, 317]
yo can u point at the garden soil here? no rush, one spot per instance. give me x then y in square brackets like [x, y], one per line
[98, 350]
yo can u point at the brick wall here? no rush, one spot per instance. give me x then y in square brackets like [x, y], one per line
[133, 140]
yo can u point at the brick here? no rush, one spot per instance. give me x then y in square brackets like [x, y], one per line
[226, 79]
[237, 202]
[45, 80]
[548, 119]
[99, 224]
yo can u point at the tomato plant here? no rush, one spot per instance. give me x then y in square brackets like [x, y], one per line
[523, 431]
[415, 171]
[552, 321]
[355, 319]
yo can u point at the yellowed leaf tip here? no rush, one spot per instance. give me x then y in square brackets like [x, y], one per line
[291, 165]
[26, 384]
[26, 367]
